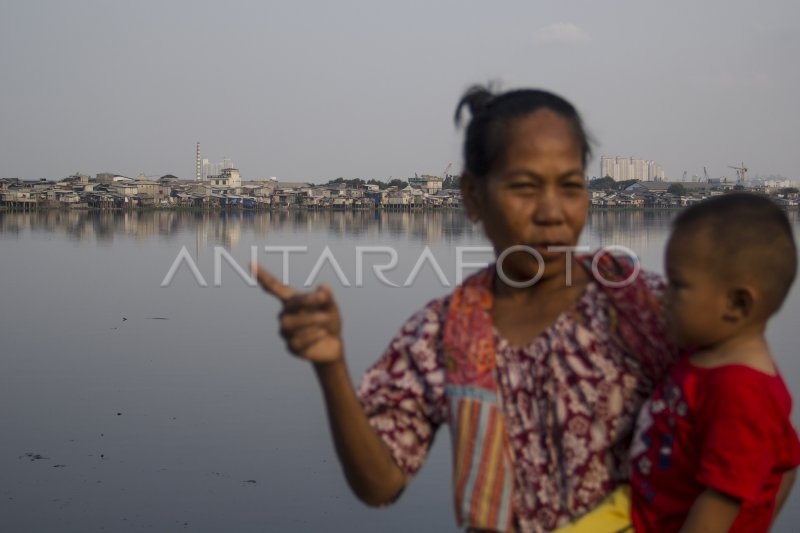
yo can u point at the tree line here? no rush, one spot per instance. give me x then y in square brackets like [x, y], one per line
[451, 181]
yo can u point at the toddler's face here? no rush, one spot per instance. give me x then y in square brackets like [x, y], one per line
[695, 299]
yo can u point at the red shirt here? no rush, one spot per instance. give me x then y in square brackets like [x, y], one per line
[724, 428]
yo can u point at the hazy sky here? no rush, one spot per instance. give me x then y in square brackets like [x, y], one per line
[311, 90]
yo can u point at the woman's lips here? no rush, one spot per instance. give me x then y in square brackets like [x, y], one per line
[550, 250]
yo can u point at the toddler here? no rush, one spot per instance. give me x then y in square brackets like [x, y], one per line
[714, 448]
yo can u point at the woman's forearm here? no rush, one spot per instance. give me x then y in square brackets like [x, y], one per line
[312, 328]
[368, 465]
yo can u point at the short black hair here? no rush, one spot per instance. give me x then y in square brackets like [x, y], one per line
[487, 134]
[750, 236]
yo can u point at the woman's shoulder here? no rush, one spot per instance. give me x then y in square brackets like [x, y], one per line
[620, 271]
[420, 335]
[431, 315]
[653, 281]
[634, 290]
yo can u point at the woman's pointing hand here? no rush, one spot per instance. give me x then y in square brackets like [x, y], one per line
[309, 322]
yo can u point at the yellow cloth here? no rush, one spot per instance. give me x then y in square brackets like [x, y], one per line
[613, 515]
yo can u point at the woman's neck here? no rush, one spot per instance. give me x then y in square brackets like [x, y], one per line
[559, 285]
[521, 315]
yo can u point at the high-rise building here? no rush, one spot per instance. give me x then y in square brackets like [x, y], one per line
[197, 171]
[628, 168]
[208, 170]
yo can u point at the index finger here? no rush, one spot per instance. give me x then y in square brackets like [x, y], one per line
[271, 284]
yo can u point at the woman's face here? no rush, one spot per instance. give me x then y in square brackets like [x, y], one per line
[537, 195]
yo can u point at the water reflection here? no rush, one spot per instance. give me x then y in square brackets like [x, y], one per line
[226, 228]
[202, 418]
[635, 229]
[640, 229]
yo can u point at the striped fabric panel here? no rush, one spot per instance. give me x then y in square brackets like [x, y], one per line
[482, 470]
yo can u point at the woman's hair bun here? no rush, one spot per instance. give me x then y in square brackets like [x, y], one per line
[488, 132]
[477, 99]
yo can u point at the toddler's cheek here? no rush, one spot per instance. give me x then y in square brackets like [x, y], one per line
[675, 332]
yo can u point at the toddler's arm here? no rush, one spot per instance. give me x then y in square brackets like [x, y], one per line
[712, 511]
[786, 487]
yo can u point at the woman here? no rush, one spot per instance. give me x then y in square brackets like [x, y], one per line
[539, 382]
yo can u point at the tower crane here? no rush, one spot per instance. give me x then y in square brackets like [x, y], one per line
[446, 170]
[741, 173]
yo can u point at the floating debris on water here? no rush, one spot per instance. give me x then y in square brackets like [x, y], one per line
[33, 456]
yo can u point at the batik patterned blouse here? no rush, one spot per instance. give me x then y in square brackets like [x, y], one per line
[570, 398]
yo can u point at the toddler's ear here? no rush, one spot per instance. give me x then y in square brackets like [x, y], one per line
[740, 303]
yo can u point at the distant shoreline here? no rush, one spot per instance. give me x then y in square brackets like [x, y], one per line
[307, 209]
[228, 210]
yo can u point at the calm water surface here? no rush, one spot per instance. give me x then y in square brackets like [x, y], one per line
[127, 406]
